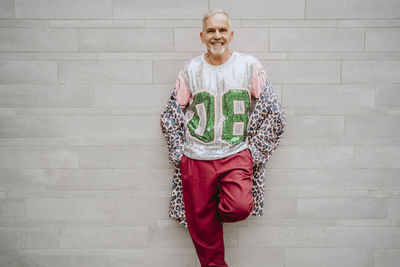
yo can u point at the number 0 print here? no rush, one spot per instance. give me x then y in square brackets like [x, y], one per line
[201, 125]
[235, 104]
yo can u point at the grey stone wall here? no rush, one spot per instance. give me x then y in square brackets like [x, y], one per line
[84, 176]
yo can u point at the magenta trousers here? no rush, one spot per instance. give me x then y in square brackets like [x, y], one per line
[215, 191]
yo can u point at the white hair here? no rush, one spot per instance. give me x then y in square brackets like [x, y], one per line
[214, 11]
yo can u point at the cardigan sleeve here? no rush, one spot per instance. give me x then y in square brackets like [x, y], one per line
[172, 127]
[267, 125]
[172, 120]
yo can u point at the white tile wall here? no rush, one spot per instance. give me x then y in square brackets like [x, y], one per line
[84, 176]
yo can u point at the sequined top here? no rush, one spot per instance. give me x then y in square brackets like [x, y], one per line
[217, 104]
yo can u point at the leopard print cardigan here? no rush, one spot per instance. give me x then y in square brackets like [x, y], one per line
[264, 132]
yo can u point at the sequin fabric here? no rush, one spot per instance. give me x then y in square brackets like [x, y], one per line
[217, 113]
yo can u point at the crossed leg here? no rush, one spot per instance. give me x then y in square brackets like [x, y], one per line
[215, 191]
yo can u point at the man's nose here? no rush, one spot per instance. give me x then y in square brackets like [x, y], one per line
[217, 34]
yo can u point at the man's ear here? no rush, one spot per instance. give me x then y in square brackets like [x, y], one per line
[201, 37]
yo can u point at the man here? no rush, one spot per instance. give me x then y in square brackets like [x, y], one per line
[222, 122]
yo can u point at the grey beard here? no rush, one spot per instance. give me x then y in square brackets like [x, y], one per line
[217, 52]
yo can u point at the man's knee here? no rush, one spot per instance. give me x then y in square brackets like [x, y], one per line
[236, 211]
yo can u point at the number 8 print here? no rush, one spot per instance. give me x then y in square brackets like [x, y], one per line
[235, 105]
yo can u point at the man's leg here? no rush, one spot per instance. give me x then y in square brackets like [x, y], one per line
[200, 189]
[236, 200]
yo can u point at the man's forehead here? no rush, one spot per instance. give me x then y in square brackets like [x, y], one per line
[217, 21]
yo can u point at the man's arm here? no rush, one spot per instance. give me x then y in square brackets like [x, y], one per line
[172, 120]
[267, 125]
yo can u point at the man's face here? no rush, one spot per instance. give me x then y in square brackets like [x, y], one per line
[216, 34]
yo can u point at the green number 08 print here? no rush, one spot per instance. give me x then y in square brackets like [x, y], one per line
[235, 104]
